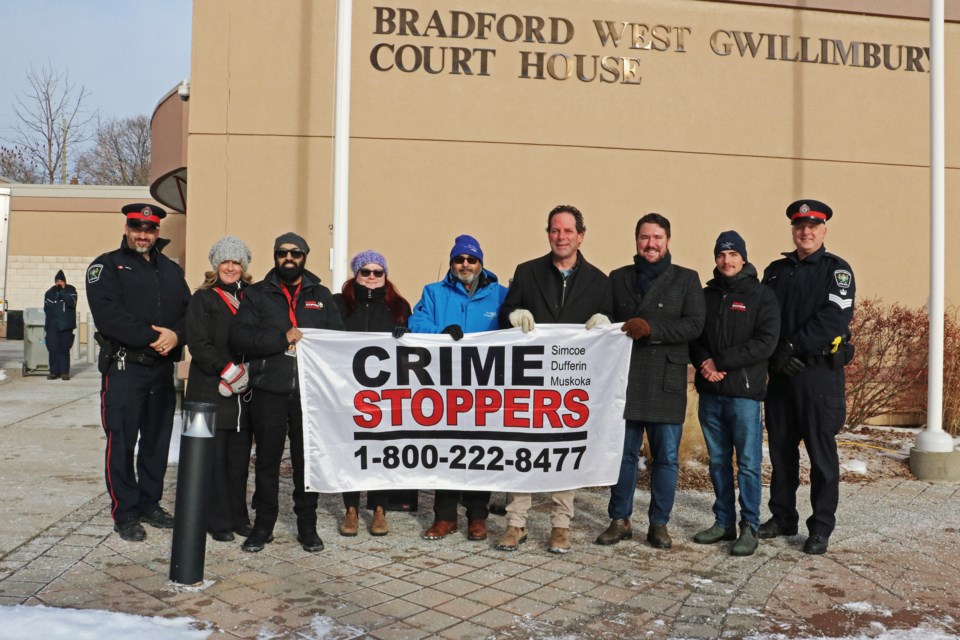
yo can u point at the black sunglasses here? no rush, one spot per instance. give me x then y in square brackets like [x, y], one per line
[467, 259]
[366, 273]
[296, 254]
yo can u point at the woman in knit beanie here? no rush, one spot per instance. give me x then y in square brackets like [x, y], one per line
[370, 302]
[218, 375]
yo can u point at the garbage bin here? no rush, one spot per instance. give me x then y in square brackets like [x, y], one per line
[14, 325]
[36, 359]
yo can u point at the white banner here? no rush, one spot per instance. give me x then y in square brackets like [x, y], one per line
[495, 411]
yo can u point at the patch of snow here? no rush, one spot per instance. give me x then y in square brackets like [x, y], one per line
[866, 607]
[326, 628]
[854, 466]
[21, 622]
[642, 463]
[3, 374]
[877, 632]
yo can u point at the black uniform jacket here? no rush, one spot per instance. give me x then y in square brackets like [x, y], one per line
[259, 330]
[741, 331]
[371, 312]
[674, 309]
[60, 308]
[127, 294]
[816, 299]
[538, 287]
[208, 336]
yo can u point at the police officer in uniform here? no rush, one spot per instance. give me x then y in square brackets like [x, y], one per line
[139, 299]
[805, 397]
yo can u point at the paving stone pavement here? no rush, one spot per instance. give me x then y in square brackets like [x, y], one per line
[894, 561]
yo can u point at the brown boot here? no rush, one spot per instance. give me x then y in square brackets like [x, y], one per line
[658, 537]
[559, 540]
[440, 529]
[617, 531]
[511, 539]
[476, 529]
[378, 527]
[351, 523]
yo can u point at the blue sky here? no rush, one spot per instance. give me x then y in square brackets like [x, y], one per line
[126, 53]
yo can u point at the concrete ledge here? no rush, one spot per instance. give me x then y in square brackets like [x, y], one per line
[935, 467]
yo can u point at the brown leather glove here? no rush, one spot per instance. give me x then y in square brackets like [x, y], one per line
[636, 328]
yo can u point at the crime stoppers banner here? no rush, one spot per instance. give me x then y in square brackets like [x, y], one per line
[498, 410]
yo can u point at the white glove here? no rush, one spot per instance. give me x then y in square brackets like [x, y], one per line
[233, 379]
[523, 319]
[597, 320]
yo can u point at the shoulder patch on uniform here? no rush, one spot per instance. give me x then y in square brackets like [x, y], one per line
[93, 273]
[843, 278]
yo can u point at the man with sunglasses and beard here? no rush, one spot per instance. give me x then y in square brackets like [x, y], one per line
[465, 301]
[139, 299]
[266, 330]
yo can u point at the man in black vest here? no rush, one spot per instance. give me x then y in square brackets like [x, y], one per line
[139, 299]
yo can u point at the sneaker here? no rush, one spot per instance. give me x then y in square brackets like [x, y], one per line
[559, 540]
[257, 540]
[714, 534]
[658, 537]
[772, 529]
[130, 530]
[511, 539]
[378, 526]
[309, 539]
[816, 544]
[158, 517]
[440, 529]
[747, 543]
[618, 530]
[351, 523]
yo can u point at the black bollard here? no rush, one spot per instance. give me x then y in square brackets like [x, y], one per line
[193, 485]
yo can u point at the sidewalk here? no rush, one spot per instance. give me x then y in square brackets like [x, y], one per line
[894, 561]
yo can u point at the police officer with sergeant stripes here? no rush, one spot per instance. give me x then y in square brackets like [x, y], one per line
[805, 397]
[139, 299]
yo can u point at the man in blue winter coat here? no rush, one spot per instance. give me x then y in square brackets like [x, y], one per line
[465, 301]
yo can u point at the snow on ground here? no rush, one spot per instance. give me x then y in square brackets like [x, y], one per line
[878, 632]
[30, 623]
[854, 466]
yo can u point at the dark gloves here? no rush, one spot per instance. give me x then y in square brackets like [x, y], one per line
[784, 360]
[399, 330]
[636, 328]
[454, 331]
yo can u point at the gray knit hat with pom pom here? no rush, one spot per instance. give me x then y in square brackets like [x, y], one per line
[230, 248]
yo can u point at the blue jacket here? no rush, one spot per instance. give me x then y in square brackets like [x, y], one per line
[446, 302]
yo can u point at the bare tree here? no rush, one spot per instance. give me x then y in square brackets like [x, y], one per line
[15, 166]
[120, 154]
[51, 122]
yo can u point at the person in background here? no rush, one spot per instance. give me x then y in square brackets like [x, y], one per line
[369, 301]
[60, 319]
[218, 375]
[559, 287]
[138, 298]
[730, 356]
[465, 301]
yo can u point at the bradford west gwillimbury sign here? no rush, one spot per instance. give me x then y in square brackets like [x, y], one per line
[465, 43]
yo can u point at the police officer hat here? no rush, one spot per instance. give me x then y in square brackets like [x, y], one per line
[809, 211]
[140, 214]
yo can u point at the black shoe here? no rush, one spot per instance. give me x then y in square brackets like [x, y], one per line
[497, 509]
[158, 517]
[53, 376]
[310, 541]
[65, 376]
[257, 540]
[772, 529]
[816, 544]
[222, 536]
[130, 530]
[243, 530]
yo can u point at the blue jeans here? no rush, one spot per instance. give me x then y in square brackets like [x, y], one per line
[733, 424]
[664, 447]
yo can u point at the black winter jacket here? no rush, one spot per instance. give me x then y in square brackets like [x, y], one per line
[538, 287]
[208, 336]
[259, 330]
[741, 331]
[371, 312]
[128, 294]
[60, 308]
